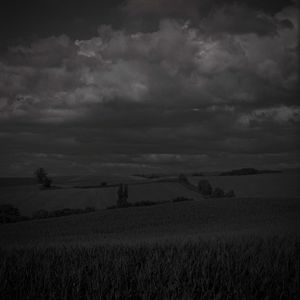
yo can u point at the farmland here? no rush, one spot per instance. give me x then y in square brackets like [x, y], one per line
[206, 248]
[224, 269]
[208, 217]
[27, 197]
[284, 184]
[30, 198]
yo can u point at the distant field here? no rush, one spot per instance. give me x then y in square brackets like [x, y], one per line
[26, 195]
[30, 198]
[206, 217]
[284, 184]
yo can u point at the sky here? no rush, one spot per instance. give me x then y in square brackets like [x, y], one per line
[140, 86]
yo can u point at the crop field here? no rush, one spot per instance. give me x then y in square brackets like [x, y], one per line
[27, 197]
[284, 184]
[30, 198]
[254, 268]
[258, 216]
[206, 248]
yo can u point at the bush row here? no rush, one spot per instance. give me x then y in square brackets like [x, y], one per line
[10, 214]
[206, 189]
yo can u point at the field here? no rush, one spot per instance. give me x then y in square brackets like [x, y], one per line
[284, 184]
[224, 248]
[223, 269]
[205, 217]
[30, 198]
[27, 197]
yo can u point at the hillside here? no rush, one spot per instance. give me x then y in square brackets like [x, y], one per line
[284, 184]
[30, 198]
[210, 217]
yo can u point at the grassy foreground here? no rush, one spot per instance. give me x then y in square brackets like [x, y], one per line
[237, 268]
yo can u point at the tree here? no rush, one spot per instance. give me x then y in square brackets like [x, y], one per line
[40, 175]
[47, 182]
[204, 187]
[218, 193]
[122, 195]
[182, 178]
[230, 194]
[42, 178]
[9, 213]
[40, 214]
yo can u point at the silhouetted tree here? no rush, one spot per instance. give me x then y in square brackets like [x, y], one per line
[182, 178]
[230, 194]
[204, 187]
[126, 191]
[122, 195]
[40, 175]
[218, 193]
[42, 178]
[40, 214]
[8, 213]
[47, 182]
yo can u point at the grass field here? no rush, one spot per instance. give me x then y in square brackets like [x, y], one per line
[26, 195]
[30, 198]
[284, 184]
[207, 217]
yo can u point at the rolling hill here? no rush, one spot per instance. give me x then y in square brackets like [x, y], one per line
[210, 217]
[30, 198]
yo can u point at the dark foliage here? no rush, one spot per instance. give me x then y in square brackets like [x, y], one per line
[42, 178]
[40, 175]
[248, 171]
[182, 199]
[42, 214]
[218, 193]
[230, 194]
[148, 176]
[122, 195]
[204, 187]
[47, 183]
[10, 214]
[196, 174]
[136, 204]
[183, 179]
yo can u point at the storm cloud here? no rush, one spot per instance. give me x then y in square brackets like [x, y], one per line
[173, 86]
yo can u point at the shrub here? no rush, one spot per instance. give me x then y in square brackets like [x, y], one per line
[90, 209]
[40, 175]
[144, 203]
[182, 178]
[218, 193]
[196, 174]
[47, 183]
[9, 213]
[40, 214]
[122, 195]
[181, 199]
[42, 178]
[9, 209]
[204, 187]
[230, 194]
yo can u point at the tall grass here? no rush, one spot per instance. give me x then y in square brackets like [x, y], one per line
[252, 268]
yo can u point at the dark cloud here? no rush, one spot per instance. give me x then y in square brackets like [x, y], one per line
[186, 94]
[214, 16]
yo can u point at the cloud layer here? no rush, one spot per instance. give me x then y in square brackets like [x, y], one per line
[193, 91]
